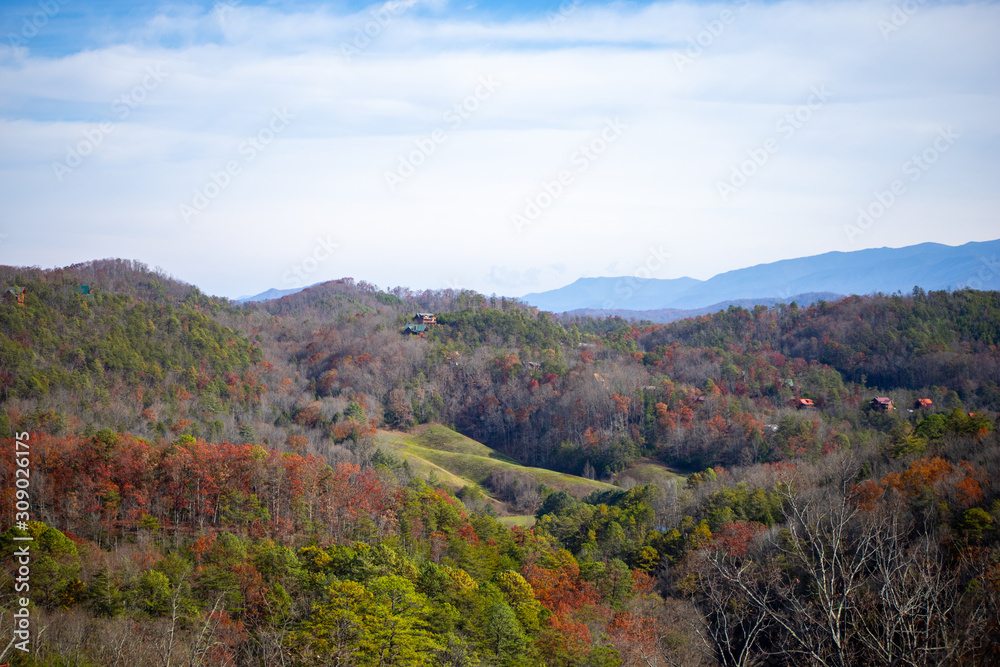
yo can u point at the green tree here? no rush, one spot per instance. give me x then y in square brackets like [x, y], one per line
[933, 427]
[397, 623]
[105, 596]
[521, 598]
[503, 632]
[152, 593]
[334, 632]
[383, 624]
[55, 563]
[355, 411]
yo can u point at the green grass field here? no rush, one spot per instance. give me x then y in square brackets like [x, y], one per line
[648, 471]
[524, 520]
[459, 461]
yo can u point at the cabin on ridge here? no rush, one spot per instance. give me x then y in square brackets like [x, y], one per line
[15, 295]
[427, 319]
[882, 404]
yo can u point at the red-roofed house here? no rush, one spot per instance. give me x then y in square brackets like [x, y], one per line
[883, 404]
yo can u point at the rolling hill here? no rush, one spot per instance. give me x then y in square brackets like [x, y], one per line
[460, 461]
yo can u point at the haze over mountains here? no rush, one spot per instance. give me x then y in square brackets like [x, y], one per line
[273, 293]
[805, 280]
[931, 266]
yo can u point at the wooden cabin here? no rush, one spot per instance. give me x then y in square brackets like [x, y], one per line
[882, 404]
[15, 295]
[415, 330]
[426, 319]
[922, 404]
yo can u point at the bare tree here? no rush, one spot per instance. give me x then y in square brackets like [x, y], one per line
[734, 624]
[916, 609]
[847, 581]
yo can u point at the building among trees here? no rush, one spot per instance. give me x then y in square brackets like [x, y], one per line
[15, 295]
[415, 330]
[882, 404]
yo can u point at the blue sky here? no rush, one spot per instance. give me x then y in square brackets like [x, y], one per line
[506, 147]
[78, 26]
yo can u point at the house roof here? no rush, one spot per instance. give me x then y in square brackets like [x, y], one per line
[415, 328]
[424, 314]
[882, 400]
[806, 401]
[925, 401]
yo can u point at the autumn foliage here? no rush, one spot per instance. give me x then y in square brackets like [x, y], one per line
[104, 485]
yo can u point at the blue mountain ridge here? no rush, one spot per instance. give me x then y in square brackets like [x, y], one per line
[930, 266]
[273, 293]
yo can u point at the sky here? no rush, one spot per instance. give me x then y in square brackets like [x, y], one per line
[505, 147]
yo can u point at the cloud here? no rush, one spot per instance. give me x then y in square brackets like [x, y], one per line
[699, 86]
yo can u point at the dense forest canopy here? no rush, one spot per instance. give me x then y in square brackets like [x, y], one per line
[211, 482]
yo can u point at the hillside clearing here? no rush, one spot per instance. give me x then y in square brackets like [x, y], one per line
[458, 461]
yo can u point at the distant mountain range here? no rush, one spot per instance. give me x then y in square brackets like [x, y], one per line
[663, 315]
[272, 293]
[930, 266]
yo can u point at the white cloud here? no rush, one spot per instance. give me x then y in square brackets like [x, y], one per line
[450, 222]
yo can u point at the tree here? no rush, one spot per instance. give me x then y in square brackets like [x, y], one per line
[812, 605]
[734, 623]
[504, 633]
[397, 625]
[152, 593]
[853, 578]
[382, 624]
[106, 598]
[521, 598]
[335, 631]
[399, 412]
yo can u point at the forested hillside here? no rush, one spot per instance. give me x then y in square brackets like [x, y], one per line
[213, 484]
